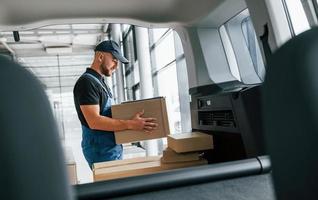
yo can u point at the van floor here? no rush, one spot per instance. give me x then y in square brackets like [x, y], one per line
[258, 187]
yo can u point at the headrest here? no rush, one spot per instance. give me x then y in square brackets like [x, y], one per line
[290, 105]
[32, 163]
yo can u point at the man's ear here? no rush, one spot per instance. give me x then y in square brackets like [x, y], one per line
[100, 56]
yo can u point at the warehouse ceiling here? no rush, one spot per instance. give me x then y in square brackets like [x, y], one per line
[56, 54]
[69, 38]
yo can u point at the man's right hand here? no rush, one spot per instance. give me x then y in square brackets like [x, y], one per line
[143, 124]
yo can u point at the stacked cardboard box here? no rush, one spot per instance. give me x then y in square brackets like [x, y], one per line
[183, 151]
[170, 156]
[186, 147]
[154, 108]
[190, 142]
[137, 167]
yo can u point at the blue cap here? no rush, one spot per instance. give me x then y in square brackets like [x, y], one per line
[113, 48]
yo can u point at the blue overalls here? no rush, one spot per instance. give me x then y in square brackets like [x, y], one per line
[97, 145]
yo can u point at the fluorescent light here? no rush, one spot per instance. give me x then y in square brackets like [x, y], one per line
[2, 39]
[58, 50]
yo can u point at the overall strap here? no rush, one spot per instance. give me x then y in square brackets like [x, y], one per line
[98, 81]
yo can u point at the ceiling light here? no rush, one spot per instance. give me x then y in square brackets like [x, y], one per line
[58, 50]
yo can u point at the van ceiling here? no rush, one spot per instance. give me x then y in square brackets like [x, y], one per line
[15, 13]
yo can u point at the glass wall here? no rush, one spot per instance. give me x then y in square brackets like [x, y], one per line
[162, 49]
[131, 69]
[164, 74]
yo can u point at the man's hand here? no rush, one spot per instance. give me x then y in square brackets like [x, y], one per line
[98, 122]
[143, 124]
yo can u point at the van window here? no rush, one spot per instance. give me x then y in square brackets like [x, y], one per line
[228, 48]
[253, 47]
[242, 49]
[296, 15]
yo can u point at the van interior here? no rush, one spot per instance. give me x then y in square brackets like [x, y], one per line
[242, 71]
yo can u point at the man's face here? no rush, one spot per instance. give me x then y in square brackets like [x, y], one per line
[108, 64]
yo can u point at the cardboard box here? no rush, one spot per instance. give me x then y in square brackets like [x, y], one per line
[72, 173]
[139, 168]
[115, 163]
[71, 165]
[189, 142]
[155, 108]
[170, 156]
[98, 168]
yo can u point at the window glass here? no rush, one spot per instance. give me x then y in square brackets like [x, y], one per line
[242, 49]
[297, 16]
[229, 53]
[136, 91]
[253, 47]
[164, 51]
[114, 87]
[125, 27]
[131, 69]
[168, 87]
[129, 47]
[129, 83]
[136, 73]
[165, 74]
[158, 33]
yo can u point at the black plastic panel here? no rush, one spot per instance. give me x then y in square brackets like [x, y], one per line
[170, 179]
[226, 113]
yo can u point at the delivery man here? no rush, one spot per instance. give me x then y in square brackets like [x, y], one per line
[93, 100]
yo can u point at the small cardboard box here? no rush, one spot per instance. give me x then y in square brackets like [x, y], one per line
[189, 142]
[139, 168]
[154, 108]
[72, 174]
[71, 165]
[170, 156]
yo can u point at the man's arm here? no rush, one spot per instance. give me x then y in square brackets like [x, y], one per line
[98, 122]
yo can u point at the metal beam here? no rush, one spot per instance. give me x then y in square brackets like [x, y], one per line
[49, 66]
[3, 42]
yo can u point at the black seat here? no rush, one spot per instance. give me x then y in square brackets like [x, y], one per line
[31, 158]
[291, 117]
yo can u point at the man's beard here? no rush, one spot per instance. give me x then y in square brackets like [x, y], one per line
[105, 72]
